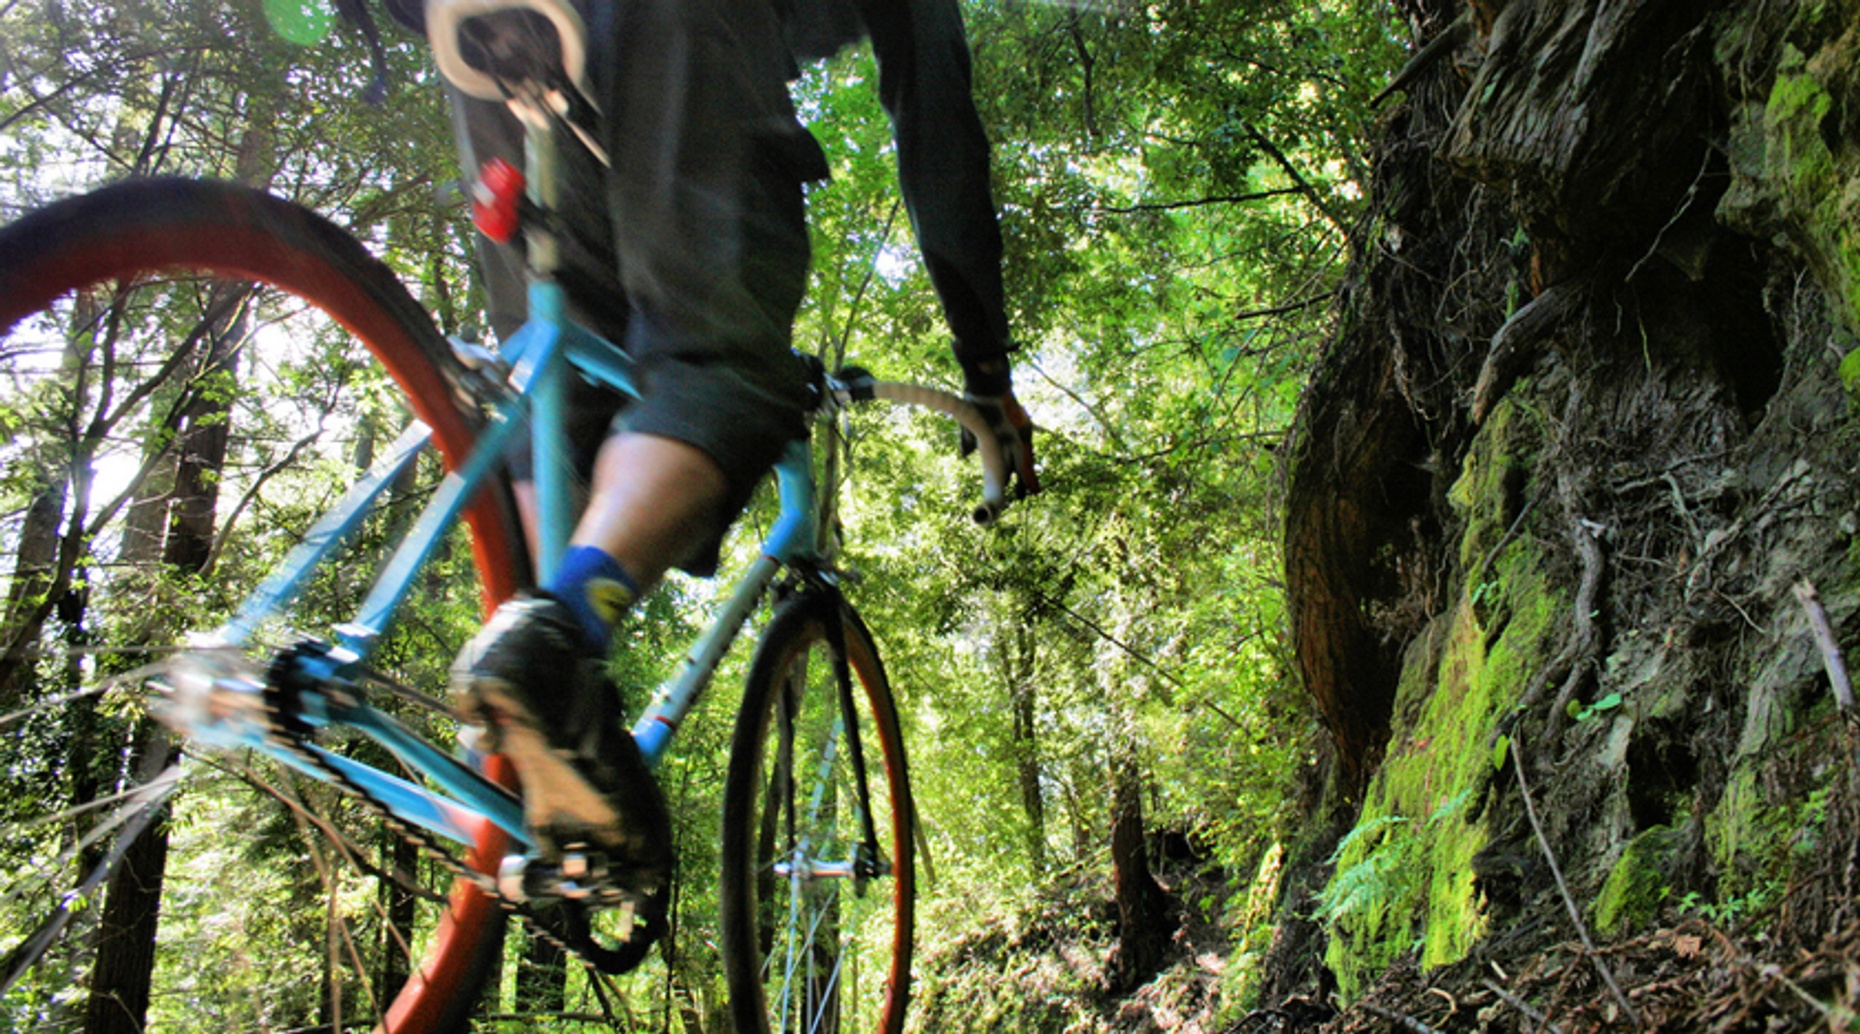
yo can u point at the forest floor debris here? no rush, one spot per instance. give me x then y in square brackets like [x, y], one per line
[1692, 977]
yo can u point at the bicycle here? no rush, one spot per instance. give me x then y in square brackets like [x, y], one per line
[819, 823]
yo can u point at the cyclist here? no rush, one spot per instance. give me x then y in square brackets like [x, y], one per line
[691, 249]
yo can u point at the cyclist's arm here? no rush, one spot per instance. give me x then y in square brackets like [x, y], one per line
[924, 84]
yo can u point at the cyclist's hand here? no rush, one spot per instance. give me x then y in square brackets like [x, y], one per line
[1014, 431]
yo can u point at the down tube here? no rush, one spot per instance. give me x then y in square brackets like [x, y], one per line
[792, 537]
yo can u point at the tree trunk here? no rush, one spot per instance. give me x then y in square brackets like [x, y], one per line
[1143, 926]
[1023, 699]
[399, 905]
[27, 603]
[120, 982]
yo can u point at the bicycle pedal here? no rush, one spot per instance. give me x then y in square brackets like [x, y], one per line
[582, 876]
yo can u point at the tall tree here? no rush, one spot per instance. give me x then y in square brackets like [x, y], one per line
[121, 979]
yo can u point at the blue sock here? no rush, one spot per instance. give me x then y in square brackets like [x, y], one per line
[597, 589]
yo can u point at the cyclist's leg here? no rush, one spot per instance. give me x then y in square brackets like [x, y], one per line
[711, 241]
[534, 641]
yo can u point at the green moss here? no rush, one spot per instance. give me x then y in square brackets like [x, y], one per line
[1795, 167]
[1796, 107]
[1850, 375]
[1403, 880]
[1506, 445]
[1251, 920]
[1635, 887]
[1774, 800]
[1818, 186]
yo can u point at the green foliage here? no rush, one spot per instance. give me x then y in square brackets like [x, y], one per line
[1582, 712]
[1381, 853]
[1173, 181]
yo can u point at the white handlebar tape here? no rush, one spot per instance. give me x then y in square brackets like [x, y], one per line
[994, 464]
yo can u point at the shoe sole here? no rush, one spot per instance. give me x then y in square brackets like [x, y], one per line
[558, 803]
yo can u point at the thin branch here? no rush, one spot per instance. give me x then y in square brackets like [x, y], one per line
[1399, 1019]
[1587, 535]
[1288, 307]
[1519, 1004]
[1518, 764]
[1217, 199]
[1110, 431]
[297, 449]
[1449, 39]
[1129, 651]
[1303, 185]
[858, 298]
[1830, 649]
[129, 61]
[1511, 534]
[350, 851]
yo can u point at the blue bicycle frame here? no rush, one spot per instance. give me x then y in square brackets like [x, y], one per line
[545, 353]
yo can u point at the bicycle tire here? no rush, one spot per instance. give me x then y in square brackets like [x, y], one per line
[795, 949]
[141, 228]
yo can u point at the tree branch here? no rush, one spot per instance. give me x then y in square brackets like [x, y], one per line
[1288, 307]
[1303, 185]
[1518, 763]
[1216, 199]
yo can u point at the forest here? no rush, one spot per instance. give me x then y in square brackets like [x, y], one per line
[1435, 617]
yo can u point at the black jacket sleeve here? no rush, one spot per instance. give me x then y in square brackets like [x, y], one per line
[924, 84]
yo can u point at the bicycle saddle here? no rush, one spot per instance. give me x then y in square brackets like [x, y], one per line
[483, 47]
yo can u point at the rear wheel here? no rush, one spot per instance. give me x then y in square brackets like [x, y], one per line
[819, 877]
[131, 321]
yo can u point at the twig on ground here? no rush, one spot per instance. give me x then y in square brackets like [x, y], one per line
[1400, 1020]
[1823, 631]
[1569, 901]
[1453, 1004]
[1519, 1004]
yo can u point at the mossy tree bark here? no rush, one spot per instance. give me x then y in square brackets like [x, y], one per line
[1580, 429]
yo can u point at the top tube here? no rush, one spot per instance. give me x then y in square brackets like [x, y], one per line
[544, 352]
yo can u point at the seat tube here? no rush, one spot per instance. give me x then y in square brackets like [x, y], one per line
[548, 305]
[550, 459]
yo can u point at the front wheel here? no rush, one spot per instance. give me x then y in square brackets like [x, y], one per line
[818, 873]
